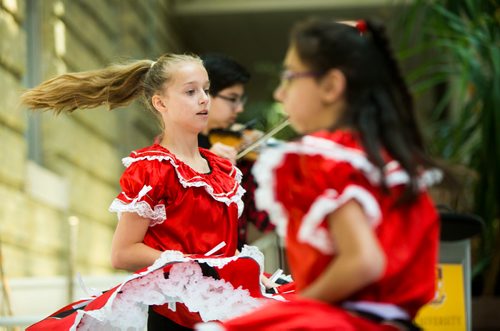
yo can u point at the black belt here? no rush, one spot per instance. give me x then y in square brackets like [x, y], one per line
[404, 324]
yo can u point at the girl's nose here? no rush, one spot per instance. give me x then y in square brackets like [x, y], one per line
[278, 93]
[205, 98]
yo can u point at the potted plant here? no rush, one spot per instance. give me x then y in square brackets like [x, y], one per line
[459, 42]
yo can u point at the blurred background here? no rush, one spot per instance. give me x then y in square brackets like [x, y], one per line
[58, 175]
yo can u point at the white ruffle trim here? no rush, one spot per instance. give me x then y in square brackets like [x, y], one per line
[213, 299]
[175, 256]
[157, 215]
[142, 208]
[394, 174]
[265, 199]
[312, 233]
[197, 181]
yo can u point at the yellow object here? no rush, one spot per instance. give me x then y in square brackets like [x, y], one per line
[446, 312]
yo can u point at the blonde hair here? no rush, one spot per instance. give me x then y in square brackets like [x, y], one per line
[117, 85]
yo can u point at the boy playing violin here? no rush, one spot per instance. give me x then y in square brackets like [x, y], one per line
[227, 91]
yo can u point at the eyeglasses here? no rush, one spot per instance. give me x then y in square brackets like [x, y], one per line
[287, 76]
[234, 101]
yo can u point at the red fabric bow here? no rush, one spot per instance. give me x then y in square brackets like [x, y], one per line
[361, 26]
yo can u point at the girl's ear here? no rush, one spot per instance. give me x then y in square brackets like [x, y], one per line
[333, 85]
[158, 103]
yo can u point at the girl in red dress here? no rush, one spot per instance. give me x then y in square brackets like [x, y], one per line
[350, 196]
[178, 207]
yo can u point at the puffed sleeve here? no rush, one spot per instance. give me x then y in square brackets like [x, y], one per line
[308, 185]
[332, 185]
[141, 191]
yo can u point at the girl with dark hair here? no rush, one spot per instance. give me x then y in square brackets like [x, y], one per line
[178, 207]
[350, 196]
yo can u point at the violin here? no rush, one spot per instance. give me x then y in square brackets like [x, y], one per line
[244, 139]
[238, 137]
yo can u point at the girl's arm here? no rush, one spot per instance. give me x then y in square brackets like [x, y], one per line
[359, 259]
[127, 250]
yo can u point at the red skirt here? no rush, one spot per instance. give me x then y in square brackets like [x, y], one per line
[188, 290]
[298, 315]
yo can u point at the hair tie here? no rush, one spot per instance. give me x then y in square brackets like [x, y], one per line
[361, 26]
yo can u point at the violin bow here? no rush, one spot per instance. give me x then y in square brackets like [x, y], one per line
[259, 141]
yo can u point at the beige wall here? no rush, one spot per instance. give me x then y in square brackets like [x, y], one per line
[80, 167]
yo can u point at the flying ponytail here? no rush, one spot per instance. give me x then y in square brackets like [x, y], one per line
[114, 86]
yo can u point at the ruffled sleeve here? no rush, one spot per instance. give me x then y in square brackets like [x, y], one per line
[141, 191]
[333, 184]
[308, 187]
[306, 181]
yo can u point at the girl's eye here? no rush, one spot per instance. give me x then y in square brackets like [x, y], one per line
[190, 92]
[206, 91]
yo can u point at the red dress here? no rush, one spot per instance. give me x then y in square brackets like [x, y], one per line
[300, 184]
[191, 213]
